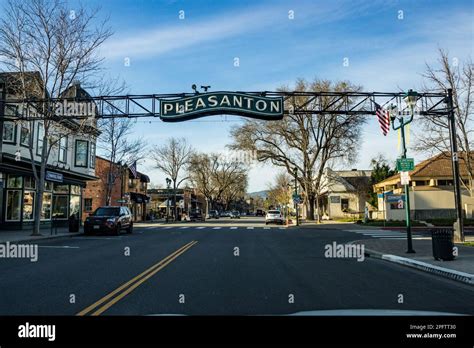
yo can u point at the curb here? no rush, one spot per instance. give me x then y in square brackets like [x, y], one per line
[463, 277]
[43, 238]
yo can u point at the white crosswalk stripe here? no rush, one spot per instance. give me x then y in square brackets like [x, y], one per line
[266, 228]
[250, 228]
[387, 235]
[216, 228]
[183, 227]
[200, 227]
[233, 228]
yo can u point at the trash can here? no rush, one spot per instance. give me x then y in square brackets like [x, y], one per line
[73, 223]
[442, 241]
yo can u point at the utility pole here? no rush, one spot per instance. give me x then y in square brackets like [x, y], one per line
[295, 170]
[459, 231]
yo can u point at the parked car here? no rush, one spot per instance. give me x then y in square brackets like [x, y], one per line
[235, 215]
[213, 214]
[225, 214]
[260, 212]
[109, 220]
[274, 216]
[195, 215]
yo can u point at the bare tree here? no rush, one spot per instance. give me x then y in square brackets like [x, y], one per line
[217, 177]
[48, 47]
[172, 158]
[279, 193]
[306, 142]
[114, 142]
[434, 134]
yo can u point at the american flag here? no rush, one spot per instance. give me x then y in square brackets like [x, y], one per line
[133, 169]
[384, 118]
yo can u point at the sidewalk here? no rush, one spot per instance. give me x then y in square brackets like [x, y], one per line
[25, 235]
[461, 268]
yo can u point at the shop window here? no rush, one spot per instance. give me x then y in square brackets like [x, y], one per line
[60, 205]
[9, 132]
[46, 209]
[48, 186]
[345, 204]
[88, 204]
[74, 205]
[60, 188]
[75, 190]
[92, 153]
[13, 205]
[62, 151]
[29, 182]
[445, 183]
[28, 205]
[15, 181]
[82, 149]
[25, 136]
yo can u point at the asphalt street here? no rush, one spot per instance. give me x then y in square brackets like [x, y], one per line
[221, 267]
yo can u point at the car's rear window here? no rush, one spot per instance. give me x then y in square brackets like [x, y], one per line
[107, 212]
[273, 212]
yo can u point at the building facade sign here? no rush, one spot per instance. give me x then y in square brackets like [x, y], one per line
[205, 104]
[53, 176]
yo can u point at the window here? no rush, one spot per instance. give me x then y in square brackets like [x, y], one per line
[88, 204]
[29, 182]
[82, 149]
[62, 151]
[60, 188]
[421, 183]
[445, 183]
[345, 204]
[48, 186]
[39, 139]
[25, 137]
[46, 209]
[75, 190]
[60, 205]
[15, 181]
[13, 205]
[92, 159]
[28, 205]
[9, 132]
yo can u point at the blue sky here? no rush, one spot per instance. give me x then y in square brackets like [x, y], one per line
[169, 54]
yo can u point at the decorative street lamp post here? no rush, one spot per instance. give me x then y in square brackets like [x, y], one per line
[168, 184]
[410, 99]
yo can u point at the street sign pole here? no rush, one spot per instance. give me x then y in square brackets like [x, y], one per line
[401, 126]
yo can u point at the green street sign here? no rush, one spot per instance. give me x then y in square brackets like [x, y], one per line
[234, 103]
[405, 164]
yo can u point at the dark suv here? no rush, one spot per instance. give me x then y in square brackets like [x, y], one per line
[110, 220]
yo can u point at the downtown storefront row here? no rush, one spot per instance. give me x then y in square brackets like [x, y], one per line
[62, 197]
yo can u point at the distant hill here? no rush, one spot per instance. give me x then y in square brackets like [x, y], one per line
[262, 194]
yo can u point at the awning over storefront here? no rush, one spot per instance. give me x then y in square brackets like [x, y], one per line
[136, 197]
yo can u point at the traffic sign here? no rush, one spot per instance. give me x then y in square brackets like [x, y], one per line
[405, 164]
[404, 178]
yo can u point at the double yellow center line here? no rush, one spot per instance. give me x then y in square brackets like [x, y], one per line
[109, 300]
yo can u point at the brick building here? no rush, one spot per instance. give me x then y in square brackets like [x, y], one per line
[126, 189]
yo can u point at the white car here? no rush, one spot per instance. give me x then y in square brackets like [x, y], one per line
[274, 216]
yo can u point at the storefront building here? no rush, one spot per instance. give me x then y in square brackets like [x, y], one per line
[70, 165]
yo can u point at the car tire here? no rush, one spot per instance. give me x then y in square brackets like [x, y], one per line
[130, 229]
[266, 223]
[117, 230]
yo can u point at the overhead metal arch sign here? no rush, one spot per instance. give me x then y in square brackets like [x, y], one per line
[234, 103]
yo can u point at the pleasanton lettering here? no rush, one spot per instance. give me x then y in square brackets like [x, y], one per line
[248, 105]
